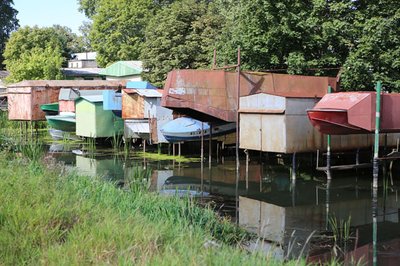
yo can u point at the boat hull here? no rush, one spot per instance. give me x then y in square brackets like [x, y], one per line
[189, 129]
[50, 108]
[354, 113]
[61, 122]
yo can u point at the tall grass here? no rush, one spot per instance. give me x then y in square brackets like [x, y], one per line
[49, 217]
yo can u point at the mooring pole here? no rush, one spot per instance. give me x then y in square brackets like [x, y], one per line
[237, 136]
[202, 160]
[210, 147]
[247, 169]
[293, 176]
[375, 172]
[328, 150]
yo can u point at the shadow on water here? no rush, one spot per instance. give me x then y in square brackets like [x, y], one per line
[308, 215]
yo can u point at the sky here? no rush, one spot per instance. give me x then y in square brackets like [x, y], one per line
[45, 13]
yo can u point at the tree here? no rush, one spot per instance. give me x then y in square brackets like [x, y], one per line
[118, 28]
[88, 7]
[36, 64]
[27, 49]
[376, 53]
[8, 23]
[180, 36]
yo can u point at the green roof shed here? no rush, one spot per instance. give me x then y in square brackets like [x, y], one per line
[93, 121]
[123, 69]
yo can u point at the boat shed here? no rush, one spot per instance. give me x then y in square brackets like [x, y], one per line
[143, 116]
[277, 123]
[93, 121]
[25, 98]
[211, 95]
[125, 70]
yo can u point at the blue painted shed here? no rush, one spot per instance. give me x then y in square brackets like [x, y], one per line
[112, 100]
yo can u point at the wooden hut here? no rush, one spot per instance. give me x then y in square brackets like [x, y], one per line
[95, 122]
[143, 116]
[26, 97]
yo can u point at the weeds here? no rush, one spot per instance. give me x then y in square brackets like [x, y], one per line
[341, 235]
[49, 217]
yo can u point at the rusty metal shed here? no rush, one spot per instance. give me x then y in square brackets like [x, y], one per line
[280, 124]
[211, 95]
[25, 98]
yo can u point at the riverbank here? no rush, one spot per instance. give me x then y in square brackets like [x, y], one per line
[49, 216]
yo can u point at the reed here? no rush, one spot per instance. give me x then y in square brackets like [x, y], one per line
[341, 234]
[49, 217]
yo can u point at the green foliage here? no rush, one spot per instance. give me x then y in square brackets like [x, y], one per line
[180, 36]
[35, 64]
[118, 29]
[39, 53]
[88, 7]
[376, 54]
[49, 217]
[8, 23]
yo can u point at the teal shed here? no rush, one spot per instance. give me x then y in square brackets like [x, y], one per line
[95, 122]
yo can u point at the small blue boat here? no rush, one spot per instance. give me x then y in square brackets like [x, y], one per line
[189, 129]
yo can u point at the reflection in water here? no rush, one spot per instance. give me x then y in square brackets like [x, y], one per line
[277, 207]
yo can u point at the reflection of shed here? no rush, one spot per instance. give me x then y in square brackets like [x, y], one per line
[25, 98]
[93, 121]
[142, 112]
[280, 124]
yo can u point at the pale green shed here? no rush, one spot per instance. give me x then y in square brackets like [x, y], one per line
[95, 122]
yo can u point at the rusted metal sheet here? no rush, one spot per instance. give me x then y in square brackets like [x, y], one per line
[66, 106]
[354, 112]
[209, 95]
[19, 107]
[290, 131]
[27, 96]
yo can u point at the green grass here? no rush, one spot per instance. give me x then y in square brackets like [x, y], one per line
[51, 217]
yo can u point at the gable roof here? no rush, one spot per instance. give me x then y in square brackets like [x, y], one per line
[123, 68]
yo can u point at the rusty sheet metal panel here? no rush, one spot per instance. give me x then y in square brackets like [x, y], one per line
[263, 132]
[250, 131]
[66, 106]
[42, 95]
[262, 103]
[19, 104]
[212, 94]
[47, 91]
[201, 90]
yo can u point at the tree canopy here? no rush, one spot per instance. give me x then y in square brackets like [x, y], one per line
[180, 36]
[357, 40]
[28, 47]
[8, 23]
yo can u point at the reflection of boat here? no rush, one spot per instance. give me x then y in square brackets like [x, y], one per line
[50, 108]
[354, 112]
[63, 122]
[189, 129]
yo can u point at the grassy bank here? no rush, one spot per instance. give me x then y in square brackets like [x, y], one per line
[48, 216]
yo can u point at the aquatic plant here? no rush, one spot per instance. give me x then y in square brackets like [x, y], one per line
[117, 142]
[33, 150]
[341, 235]
[53, 217]
[156, 156]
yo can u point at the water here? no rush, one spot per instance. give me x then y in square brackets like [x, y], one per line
[297, 216]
